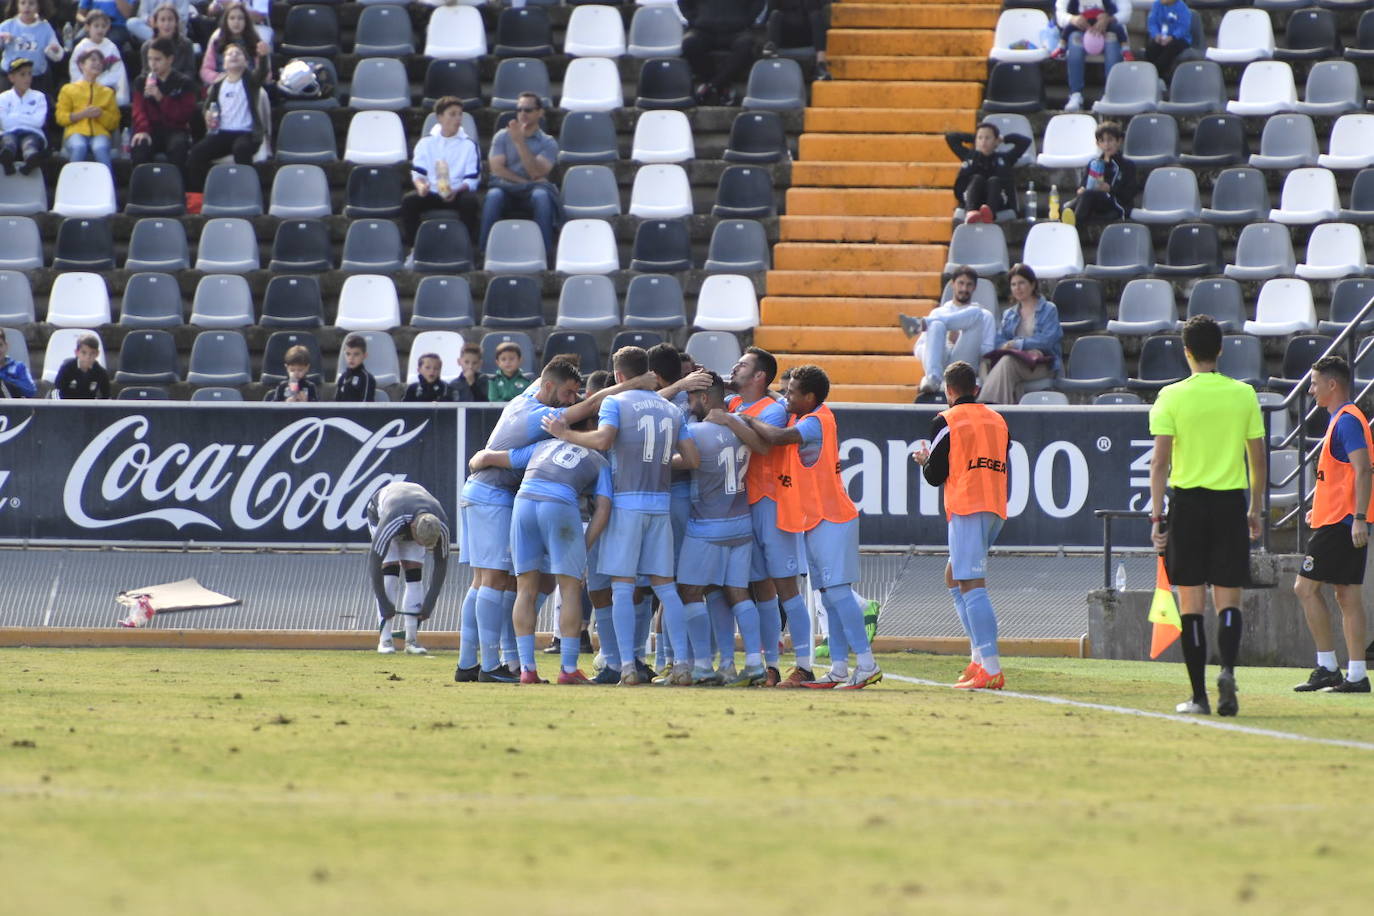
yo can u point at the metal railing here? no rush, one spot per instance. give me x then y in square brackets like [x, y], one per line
[1108, 516]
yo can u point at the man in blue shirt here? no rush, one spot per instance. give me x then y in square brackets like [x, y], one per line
[521, 158]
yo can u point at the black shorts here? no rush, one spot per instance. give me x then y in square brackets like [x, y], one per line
[1209, 539]
[1332, 558]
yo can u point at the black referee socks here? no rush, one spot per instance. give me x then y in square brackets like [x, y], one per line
[1195, 654]
[1229, 627]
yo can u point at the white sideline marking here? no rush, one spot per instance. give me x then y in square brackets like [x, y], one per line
[1202, 721]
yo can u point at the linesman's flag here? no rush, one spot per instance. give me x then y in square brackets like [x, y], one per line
[1168, 626]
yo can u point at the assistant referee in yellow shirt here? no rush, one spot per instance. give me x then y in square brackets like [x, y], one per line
[1205, 427]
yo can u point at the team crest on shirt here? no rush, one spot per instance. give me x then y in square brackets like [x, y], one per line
[1307, 564]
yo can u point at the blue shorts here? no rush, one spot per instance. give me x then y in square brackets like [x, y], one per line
[596, 580]
[833, 552]
[485, 542]
[679, 508]
[970, 536]
[713, 563]
[776, 554]
[547, 536]
[636, 544]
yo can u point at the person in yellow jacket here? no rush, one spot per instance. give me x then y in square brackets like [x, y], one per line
[88, 112]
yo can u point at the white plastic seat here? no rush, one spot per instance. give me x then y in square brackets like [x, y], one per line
[727, 302]
[1069, 142]
[587, 246]
[228, 245]
[455, 33]
[655, 32]
[368, 302]
[661, 192]
[1309, 196]
[1351, 143]
[515, 246]
[1015, 26]
[1284, 307]
[1266, 87]
[1244, 35]
[595, 31]
[1334, 250]
[375, 138]
[448, 345]
[663, 136]
[78, 300]
[84, 189]
[592, 84]
[61, 347]
[1052, 250]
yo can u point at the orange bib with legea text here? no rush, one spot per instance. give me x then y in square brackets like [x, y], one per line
[819, 492]
[762, 476]
[1334, 497]
[977, 461]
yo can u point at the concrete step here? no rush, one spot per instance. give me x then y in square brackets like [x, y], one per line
[858, 370]
[790, 338]
[958, 43]
[889, 120]
[869, 202]
[872, 394]
[841, 311]
[895, 14]
[858, 94]
[902, 67]
[815, 281]
[800, 255]
[874, 175]
[864, 229]
[814, 147]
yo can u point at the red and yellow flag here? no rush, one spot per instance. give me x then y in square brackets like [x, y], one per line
[1163, 613]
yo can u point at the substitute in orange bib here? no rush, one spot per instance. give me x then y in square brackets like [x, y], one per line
[1339, 519]
[968, 455]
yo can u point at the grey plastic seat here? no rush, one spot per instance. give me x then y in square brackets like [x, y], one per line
[312, 30]
[1117, 399]
[274, 356]
[1242, 358]
[982, 246]
[756, 136]
[1361, 209]
[515, 75]
[715, 350]
[1161, 363]
[302, 246]
[222, 301]
[442, 246]
[588, 137]
[144, 393]
[655, 301]
[306, 136]
[1095, 363]
[493, 340]
[1044, 399]
[661, 245]
[292, 302]
[1264, 251]
[372, 246]
[151, 300]
[590, 192]
[1124, 250]
[147, 357]
[219, 358]
[382, 360]
[775, 84]
[1333, 88]
[1362, 48]
[1218, 140]
[588, 303]
[156, 189]
[738, 246]
[16, 299]
[1147, 307]
[227, 245]
[379, 84]
[579, 345]
[1219, 297]
[516, 246]
[1171, 196]
[1239, 195]
[443, 303]
[232, 190]
[216, 393]
[23, 195]
[84, 243]
[1289, 141]
[384, 31]
[1132, 88]
[745, 191]
[1080, 304]
[1014, 86]
[21, 247]
[157, 244]
[1151, 141]
[513, 302]
[1196, 88]
[300, 192]
[655, 31]
[1348, 296]
[1193, 250]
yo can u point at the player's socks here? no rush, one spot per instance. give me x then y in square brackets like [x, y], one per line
[799, 625]
[1229, 627]
[524, 646]
[839, 642]
[675, 622]
[961, 609]
[1357, 671]
[489, 626]
[412, 625]
[698, 634]
[467, 648]
[1328, 661]
[722, 627]
[509, 654]
[569, 647]
[747, 617]
[983, 619]
[644, 619]
[770, 629]
[605, 631]
[1194, 642]
[851, 617]
[623, 614]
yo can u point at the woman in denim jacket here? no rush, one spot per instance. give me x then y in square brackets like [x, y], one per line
[1028, 342]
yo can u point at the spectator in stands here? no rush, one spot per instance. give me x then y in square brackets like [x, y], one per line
[297, 387]
[168, 24]
[1091, 10]
[259, 13]
[143, 25]
[985, 184]
[164, 101]
[118, 12]
[1028, 342]
[112, 74]
[23, 116]
[236, 28]
[355, 382]
[232, 124]
[1170, 29]
[81, 376]
[508, 380]
[428, 387]
[87, 112]
[26, 35]
[959, 329]
[798, 24]
[719, 25]
[471, 384]
[14, 375]
[1107, 191]
[1068, 13]
[521, 158]
[445, 169]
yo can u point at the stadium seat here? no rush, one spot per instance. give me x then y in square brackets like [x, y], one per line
[1015, 87]
[222, 301]
[655, 31]
[661, 191]
[155, 189]
[384, 31]
[1284, 307]
[312, 30]
[1161, 363]
[1309, 196]
[517, 75]
[227, 245]
[23, 195]
[1264, 251]
[984, 294]
[663, 136]
[16, 299]
[587, 246]
[373, 193]
[982, 246]
[1334, 250]
[1364, 362]
[151, 300]
[219, 358]
[1221, 298]
[513, 302]
[714, 350]
[375, 138]
[738, 246]
[664, 83]
[756, 137]
[144, 393]
[587, 138]
[234, 190]
[455, 33]
[158, 244]
[443, 302]
[1151, 141]
[215, 393]
[579, 345]
[19, 346]
[1115, 399]
[1052, 250]
[1243, 36]
[632, 338]
[1021, 27]
[300, 192]
[1132, 88]
[595, 31]
[1283, 478]
[590, 192]
[727, 302]
[61, 346]
[303, 136]
[1288, 142]
[588, 303]
[1043, 399]
[591, 84]
[1363, 46]
[1218, 140]
[775, 84]
[292, 302]
[382, 360]
[1196, 88]
[1171, 196]
[302, 246]
[274, 357]
[1311, 34]
[491, 341]
[1242, 358]
[1123, 250]
[1361, 209]
[523, 32]
[1146, 307]
[1351, 143]
[1095, 363]
[368, 302]
[515, 246]
[744, 192]
[442, 246]
[1193, 250]
[85, 189]
[84, 244]
[379, 84]
[1333, 88]
[661, 245]
[318, 103]
[1080, 305]
[372, 246]
[1299, 354]
[1348, 296]
[655, 301]
[147, 357]
[1266, 87]
[1069, 142]
[21, 247]
[1239, 195]
[1015, 124]
[1280, 5]
[458, 78]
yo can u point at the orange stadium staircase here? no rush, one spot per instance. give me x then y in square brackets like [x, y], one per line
[867, 223]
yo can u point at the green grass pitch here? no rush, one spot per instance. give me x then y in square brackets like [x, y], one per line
[185, 781]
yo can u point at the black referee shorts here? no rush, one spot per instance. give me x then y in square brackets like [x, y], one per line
[1209, 539]
[1332, 558]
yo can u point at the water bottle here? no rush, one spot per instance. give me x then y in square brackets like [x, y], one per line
[1164, 30]
[212, 117]
[1032, 204]
[444, 185]
[125, 143]
[1054, 203]
[68, 37]
[1121, 575]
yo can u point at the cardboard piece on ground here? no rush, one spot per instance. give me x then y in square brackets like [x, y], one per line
[184, 595]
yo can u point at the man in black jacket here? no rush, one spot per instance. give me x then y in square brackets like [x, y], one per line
[986, 184]
[719, 25]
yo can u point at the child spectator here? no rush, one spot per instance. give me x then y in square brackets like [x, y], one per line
[23, 114]
[116, 10]
[164, 101]
[235, 27]
[233, 123]
[14, 375]
[82, 377]
[112, 74]
[26, 35]
[88, 112]
[355, 382]
[143, 26]
[428, 387]
[1103, 33]
[1170, 27]
[471, 384]
[167, 23]
[1091, 10]
[508, 380]
[1108, 188]
[297, 388]
[985, 184]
